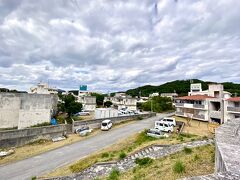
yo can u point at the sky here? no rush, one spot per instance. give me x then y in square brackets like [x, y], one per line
[117, 45]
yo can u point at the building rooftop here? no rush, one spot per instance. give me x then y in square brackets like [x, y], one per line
[195, 97]
[236, 99]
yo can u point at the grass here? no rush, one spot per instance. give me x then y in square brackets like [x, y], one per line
[175, 166]
[122, 155]
[187, 150]
[196, 127]
[42, 124]
[143, 161]
[114, 175]
[178, 167]
[128, 146]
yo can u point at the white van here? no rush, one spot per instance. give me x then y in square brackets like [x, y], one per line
[162, 126]
[169, 120]
[106, 124]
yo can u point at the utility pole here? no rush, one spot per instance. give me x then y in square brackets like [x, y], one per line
[151, 106]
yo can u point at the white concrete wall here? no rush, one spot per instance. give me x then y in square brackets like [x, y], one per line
[24, 110]
[9, 110]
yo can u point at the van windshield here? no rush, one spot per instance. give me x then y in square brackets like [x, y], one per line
[104, 124]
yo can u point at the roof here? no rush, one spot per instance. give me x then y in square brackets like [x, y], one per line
[195, 97]
[236, 99]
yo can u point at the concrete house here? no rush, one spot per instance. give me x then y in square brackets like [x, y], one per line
[201, 105]
[123, 101]
[232, 108]
[23, 110]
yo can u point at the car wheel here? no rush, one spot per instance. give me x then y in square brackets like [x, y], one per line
[169, 131]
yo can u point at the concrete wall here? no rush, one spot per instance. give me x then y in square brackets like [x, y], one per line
[228, 148]
[96, 123]
[23, 110]
[9, 110]
[15, 138]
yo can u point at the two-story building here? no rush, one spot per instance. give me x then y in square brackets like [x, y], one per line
[123, 101]
[232, 108]
[208, 105]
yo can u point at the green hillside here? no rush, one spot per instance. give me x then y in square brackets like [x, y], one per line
[182, 87]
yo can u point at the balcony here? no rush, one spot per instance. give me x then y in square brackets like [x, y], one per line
[192, 106]
[179, 104]
[233, 109]
[216, 114]
[202, 117]
[199, 106]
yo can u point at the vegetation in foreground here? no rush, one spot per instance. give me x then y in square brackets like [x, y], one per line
[120, 150]
[199, 162]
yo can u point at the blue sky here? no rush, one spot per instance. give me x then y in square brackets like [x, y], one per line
[117, 45]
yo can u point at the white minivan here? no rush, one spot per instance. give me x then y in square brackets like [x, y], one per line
[169, 120]
[106, 124]
[162, 126]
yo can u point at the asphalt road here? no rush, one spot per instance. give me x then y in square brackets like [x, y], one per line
[40, 164]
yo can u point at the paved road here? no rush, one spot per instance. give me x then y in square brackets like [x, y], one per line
[37, 165]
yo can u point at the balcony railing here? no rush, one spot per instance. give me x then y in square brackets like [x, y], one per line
[179, 104]
[199, 116]
[234, 109]
[179, 113]
[216, 114]
[198, 106]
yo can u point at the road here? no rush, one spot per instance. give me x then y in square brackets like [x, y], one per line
[43, 163]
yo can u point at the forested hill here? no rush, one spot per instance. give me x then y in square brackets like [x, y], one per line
[182, 87]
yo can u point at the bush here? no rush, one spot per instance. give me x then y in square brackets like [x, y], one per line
[105, 155]
[42, 124]
[139, 118]
[34, 178]
[114, 175]
[187, 150]
[178, 167]
[180, 138]
[196, 157]
[122, 155]
[143, 161]
[142, 137]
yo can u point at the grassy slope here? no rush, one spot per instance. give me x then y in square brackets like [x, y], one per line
[128, 146]
[199, 162]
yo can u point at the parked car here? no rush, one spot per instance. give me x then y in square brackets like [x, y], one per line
[106, 124]
[163, 126]
[156, 133]
[82, 113]
[169, 120]
[83, 131]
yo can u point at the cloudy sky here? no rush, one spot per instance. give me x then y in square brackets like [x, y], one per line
[116, 45]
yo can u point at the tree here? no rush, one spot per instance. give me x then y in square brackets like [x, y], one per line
[157, 104]
[99, 98]
[69, 104]
[108, 103]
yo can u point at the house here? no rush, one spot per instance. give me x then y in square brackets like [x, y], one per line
[43, 88]
[123, 101]
[232, 108]
[169, 95]
[84, 97]
[201, 105]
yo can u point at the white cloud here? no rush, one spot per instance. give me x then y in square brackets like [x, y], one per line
[116, 45]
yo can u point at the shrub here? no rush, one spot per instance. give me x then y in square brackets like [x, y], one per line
[196, 157]
[42, 124]
[139, 118]
[143, 161]
[178, 167]
[114, 175]
[180, 138]
[105, 155]
[142, 137]
[122, 155]
[34, 178]
[187, 150]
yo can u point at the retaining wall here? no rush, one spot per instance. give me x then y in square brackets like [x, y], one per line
[15, 138]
